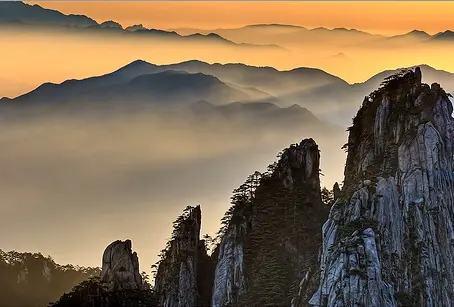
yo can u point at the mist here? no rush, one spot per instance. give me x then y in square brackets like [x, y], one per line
[32, 57]
[73, 183]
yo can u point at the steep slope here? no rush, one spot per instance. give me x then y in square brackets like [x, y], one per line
[270, 234]
[388, 239]
[183, 278]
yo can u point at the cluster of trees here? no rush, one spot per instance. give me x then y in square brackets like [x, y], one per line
[92, 293]
[31, 279]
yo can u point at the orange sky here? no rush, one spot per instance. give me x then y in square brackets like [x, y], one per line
[376, 17]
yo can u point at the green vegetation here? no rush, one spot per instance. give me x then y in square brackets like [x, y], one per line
[327, 196]
[31, 279]
[283, 235]
[92, 293]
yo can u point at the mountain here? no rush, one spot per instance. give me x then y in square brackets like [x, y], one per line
[330, 98]
[20, 12]
[407, 39]
[388, 238]
[415, 34]
[31, 279]
[111, 24]
[135, 27]
[16, 15]
[445, 36]
[430, 75]
[268, 239]
[165, 88]
[288, 36]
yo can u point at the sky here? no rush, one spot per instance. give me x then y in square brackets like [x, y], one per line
[374, 16]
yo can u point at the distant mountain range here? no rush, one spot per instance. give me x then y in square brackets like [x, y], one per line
[282, 28]
[17, 15]
[142, 84]
[286, 34]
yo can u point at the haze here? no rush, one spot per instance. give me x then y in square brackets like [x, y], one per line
[72, 184]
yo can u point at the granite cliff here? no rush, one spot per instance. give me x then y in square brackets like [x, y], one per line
[270, 238]
[120, 267]
[183, 276]
[389, 238]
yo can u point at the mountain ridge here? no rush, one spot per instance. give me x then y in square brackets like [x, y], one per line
[21, 13]
[313, 88]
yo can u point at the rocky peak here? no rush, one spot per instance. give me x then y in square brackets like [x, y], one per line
[299, 165]
[274, 219]
[111, 24]
[183, 262]
[388, 238]
[120, 267]
[336, 191]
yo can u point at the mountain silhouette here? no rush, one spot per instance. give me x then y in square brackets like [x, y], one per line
[444, 36]
[165, 88]
[327, 96]
[20, 15]
[20, 12]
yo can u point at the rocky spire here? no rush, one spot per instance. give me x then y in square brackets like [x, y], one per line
[271, 226]
[388, 240]
[178, 282]
[336, 191]
[120, 267]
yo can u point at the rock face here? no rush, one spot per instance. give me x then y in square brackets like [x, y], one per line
[184, 271]
[389, 238]
[229, 276]
[120, 267]
[268, 233]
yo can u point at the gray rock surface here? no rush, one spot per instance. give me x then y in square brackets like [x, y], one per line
[179, 271]
[230, 279]
[389, 240]
[120, 267]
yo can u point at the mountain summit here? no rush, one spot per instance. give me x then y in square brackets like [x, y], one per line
[388, 238]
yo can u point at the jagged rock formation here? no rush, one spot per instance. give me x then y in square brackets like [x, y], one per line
[120, 267]
[389, 238]
[183, 277]
[270, 240]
